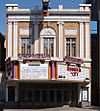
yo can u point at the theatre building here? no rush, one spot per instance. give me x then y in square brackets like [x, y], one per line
[48, 59]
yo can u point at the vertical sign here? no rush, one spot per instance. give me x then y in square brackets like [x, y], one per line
[85, 94]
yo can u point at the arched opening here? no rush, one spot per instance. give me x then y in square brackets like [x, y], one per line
[48, 42]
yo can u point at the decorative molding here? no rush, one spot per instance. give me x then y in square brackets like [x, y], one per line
[70, 31]
[47, 32]
[15, 47]
[36, 41]
[9, 39]
[82, 39]
[60, 27]
[49, 18]
[87, 40]
[25, 31]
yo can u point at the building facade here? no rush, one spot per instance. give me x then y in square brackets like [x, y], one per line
[48, 58]
[95, 9]
[2, 66]
[94, 71]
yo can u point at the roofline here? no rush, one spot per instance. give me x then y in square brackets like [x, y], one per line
[11, 5]
[51, 12]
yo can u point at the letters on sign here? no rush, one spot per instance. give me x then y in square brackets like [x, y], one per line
[74, 71]
[73, 60]
[32, 56]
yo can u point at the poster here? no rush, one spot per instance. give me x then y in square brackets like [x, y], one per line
[84, 95]
[33, 71]
[72, 72]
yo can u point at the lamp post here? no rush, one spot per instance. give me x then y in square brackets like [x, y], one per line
[45, 4]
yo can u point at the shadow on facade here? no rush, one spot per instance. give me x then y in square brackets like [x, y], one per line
[44, 95]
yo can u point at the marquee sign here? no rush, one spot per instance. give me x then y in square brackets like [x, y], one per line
[32, 55]
[33, 71]
[72, 72]
[73, 60]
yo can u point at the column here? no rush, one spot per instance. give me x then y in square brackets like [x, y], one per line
[41, 95]
[48, 99]
[9, 39]
[41, 46]
[16, 70]
[53, 73]
[79, 95]
[62, 96]
[6, 93]
[55, 96]
[87, 40]
[60, 27]
[81, 39]
[89, 92]
[16, 93]
[15, 42]
[36, 42]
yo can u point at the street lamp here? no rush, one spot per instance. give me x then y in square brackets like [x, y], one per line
[45, 4]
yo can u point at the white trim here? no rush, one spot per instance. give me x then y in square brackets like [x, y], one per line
[49, 18]
[85, 5]
[81, 39]
[9, 39]
[47, 36]
[11, 5]
[65, 46]
[36, 44]
[41, 45]
[87, 40]
[48, 32]
[15, 46]
[25, 31]
[60, 26]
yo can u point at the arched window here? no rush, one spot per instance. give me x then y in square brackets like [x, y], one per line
[48, 42]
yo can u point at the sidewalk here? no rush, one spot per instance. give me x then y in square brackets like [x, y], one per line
[64, 108]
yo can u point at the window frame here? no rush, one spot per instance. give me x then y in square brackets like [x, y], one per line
[42, 44]
[48, 45]
[21, 44]
[76, 45]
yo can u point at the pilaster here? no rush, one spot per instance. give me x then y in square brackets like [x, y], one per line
[9, 39]
[60, 28]
[81, 39]
[15, 42]
[87, 40]
[36, 41]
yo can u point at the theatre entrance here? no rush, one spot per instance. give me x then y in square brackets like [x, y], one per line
[48, 94]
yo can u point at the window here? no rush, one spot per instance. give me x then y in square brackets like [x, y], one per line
[11, 93]
[25, 45]
[49, 47]
[70, 46]
[48, 42]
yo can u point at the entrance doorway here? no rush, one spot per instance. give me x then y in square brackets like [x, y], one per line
[11, 93]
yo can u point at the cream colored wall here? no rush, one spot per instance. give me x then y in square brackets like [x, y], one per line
[54, 25]
[73, 25]
[25, 25]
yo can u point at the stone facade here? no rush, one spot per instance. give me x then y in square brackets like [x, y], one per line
[45, 52]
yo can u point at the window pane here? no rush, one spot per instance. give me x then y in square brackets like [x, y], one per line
[26, 46]
[71, 46]
[49, 47]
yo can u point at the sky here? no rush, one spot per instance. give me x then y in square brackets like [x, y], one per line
[30, 4]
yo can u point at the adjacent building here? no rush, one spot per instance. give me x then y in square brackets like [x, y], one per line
[2, 66]
[95, 16]
[48, 58]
